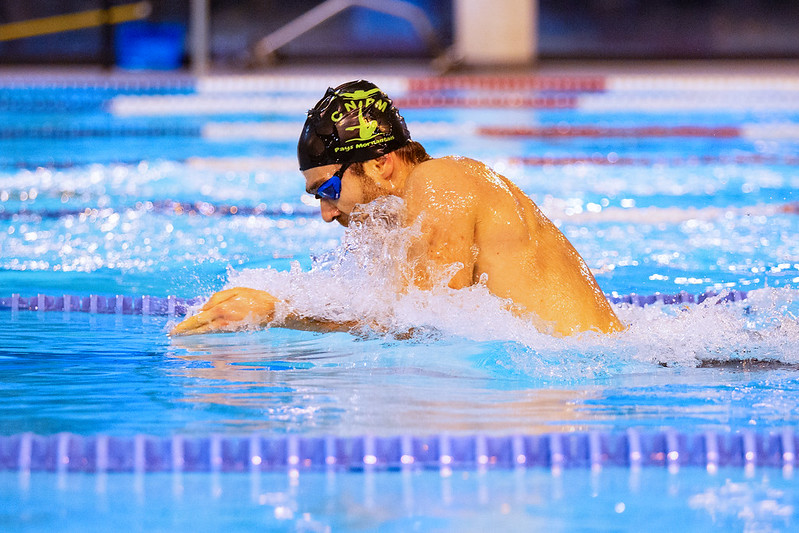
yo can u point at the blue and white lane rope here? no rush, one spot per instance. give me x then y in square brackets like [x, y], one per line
[175, 306]
[65, 452]
[641, 300]
[120, 304]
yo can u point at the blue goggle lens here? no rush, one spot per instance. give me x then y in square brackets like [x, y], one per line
[330, 190]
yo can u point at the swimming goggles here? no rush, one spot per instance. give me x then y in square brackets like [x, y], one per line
[331, 189]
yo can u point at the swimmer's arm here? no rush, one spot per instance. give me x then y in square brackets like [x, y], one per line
[242, 308]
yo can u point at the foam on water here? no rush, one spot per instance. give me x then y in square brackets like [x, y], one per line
[362, 281]
[764, 327]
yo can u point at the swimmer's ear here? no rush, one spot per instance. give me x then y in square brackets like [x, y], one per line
[382, 168]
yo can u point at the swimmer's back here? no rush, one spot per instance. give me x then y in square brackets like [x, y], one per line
[505, 236]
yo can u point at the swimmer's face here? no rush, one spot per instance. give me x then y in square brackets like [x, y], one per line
[355, 190]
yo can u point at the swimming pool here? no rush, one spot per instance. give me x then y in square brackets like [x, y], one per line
[137, 197]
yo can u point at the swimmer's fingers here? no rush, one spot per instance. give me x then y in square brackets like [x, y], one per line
[245, 295]
[220, 317]
[192, 327]
[230, 310]
[209, 322]
[219, 297]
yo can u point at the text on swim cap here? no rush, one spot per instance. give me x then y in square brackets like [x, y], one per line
[364, 144]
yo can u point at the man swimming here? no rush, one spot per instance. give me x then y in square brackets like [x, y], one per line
[354, 149]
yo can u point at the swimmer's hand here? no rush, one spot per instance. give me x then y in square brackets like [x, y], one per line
[230, 310]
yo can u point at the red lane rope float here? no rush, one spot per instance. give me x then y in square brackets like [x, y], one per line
[610, 158]
[594, 131]
[516, 83]
[530, 102]
[614, 159]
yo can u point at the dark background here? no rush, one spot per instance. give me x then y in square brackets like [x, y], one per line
[568, 29]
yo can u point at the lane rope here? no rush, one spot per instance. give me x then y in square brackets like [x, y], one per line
[94, 303]
[65, 452]
[252, 164]
[424, 131]
[167, 207]
[176, 306]
[401, 84]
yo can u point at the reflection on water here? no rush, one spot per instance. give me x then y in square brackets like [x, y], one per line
[93, 374]
[283, 380]
[337, 384]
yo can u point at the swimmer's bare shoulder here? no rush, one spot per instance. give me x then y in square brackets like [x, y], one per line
[439, 196]
[448, 187]
[465, 194]
[445, 179]
[445, 168]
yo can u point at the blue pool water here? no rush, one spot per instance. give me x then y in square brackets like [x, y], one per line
[125, 186]
[504, 500]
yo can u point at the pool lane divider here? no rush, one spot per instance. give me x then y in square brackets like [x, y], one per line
[278, 131]
[165, 94]
[565, 83]
[401, 84]
[169, 207]
[615, 159]
[429, 131]
[216, 104]
[727, 132]
[281, 164]
[175, 306]
[640, 300]
[435, 131]
[247, 103]
[120, 304]
[424, 131]
[74, 131]
[671, 449]
[745, 131]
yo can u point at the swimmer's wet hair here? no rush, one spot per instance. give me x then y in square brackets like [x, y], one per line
[412, 153]
[352, 123]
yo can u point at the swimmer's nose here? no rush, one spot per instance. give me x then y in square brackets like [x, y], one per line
[329, 211]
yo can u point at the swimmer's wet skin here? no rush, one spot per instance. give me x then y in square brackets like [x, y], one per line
[355, 148]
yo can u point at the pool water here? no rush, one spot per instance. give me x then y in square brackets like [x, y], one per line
[123, 186]
[87, 374]
[506, 500]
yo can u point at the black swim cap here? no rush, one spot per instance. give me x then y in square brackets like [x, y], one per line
[354, 122]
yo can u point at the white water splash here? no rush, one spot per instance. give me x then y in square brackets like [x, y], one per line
[362, 281]
[762, 327]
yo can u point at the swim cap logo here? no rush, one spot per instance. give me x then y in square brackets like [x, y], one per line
[367, 129]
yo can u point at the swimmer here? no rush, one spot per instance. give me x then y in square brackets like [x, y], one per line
[356, 148]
